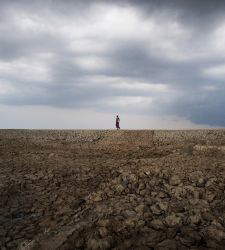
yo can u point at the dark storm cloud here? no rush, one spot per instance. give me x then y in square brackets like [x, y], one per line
[202, 108]
[96, 54]
[132, 60]
[192, 12]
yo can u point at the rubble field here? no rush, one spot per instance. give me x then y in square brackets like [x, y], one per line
[109, 189]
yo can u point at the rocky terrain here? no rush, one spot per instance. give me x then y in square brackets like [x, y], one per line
[108, 189]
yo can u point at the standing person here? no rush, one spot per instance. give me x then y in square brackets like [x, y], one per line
[117, 122]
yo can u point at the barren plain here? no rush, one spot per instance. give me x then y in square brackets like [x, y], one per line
[108, 189]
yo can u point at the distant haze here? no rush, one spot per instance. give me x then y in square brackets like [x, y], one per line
[77, 64]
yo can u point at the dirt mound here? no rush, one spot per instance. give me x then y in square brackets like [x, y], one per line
[112, 189]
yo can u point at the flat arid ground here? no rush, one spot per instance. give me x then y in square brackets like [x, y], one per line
[108, 189]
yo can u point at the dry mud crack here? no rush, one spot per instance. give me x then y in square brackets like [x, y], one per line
[104, 189]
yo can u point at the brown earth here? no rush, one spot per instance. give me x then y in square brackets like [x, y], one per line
[105, 189]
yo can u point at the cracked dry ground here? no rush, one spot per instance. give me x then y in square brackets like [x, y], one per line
[112, 190]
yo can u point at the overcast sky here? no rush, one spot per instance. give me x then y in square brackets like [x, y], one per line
[76, 64]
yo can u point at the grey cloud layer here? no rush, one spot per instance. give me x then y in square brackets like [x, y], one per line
[151, 57]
